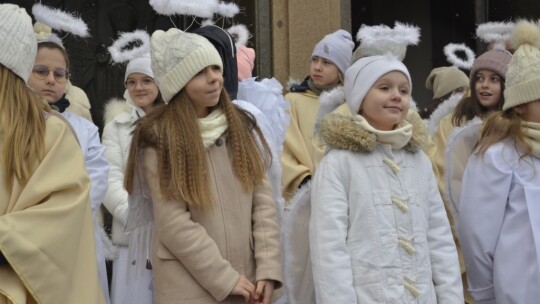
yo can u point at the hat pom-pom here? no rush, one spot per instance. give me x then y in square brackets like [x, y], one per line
[526, 32]
[42, 31]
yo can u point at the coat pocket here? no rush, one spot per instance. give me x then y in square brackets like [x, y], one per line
[368, 288]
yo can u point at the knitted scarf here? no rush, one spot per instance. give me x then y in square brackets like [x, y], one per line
[212, 127]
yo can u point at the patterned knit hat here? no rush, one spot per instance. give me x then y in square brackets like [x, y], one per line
[177, 57]
[19, 47]
[336, 47]
[523, 76]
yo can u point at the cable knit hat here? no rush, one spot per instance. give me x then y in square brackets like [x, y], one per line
[444, 80]
[336, 47]
[523, 76]
[245, 57]
[177, 57]
[495, 60]
[361, 76]
[19, 47]
[141, 65]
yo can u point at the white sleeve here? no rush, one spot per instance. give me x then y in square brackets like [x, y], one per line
[97, 167]
[442, 248]
[331, 263]
[116, 199]
[482, 206]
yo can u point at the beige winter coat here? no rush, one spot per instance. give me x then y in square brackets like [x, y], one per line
[198, 256]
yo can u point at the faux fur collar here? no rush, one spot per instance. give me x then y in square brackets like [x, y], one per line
[341, 132]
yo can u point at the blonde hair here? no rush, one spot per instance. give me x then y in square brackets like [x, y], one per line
[500, 125]
[23, 127]
[182, 169]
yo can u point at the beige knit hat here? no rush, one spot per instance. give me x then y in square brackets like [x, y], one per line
[443, 80]
[19, 47]
[177, 57]
[523, 76]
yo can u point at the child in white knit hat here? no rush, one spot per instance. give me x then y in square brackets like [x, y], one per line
[378, 230]
[200, 163]
[329, 60]
[499, 215]
[46, 231]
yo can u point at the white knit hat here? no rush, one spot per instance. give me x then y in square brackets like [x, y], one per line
[523, 75]
[177, 57]
[336, 47]
[141, 65]
[19, 47]
[362, 74]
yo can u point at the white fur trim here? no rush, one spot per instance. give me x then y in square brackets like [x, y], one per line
[402, 34]
[240, 34]
[199, 8]
[114, 107]
[495, 32]
[60, 20]
[207, 22]
[450, 52]
[119, 55]
[291, 81]
[228, 10]
[444, 109]
[329, 101]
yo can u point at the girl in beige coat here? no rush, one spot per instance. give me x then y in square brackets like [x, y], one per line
[203, 163]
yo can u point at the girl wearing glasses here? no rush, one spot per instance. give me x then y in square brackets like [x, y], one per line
[141, 95]
[48, 78]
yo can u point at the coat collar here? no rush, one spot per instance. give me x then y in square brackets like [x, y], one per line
[344, 132]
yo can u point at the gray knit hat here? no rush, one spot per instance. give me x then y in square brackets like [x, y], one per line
[336, 47]
[177, 57]
[19, 47]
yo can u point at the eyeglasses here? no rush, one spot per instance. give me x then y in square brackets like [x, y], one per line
[42, 72]
[145, 83]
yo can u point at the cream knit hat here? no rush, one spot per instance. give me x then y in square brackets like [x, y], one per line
[444, 80]
[523, 76]
[19, 47]
[141, 64]
[177, 57]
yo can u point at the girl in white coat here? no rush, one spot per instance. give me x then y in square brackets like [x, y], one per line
[141, 95]
[378, 230]
[499, 214]
[48, 78]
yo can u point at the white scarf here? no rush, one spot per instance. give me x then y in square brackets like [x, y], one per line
[397, 138]
[212, 127]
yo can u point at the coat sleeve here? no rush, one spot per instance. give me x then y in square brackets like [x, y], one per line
[116, 199]
[266, 235]
[97, 167]
[187, 240]
[484, 193]
[295, 158]
[445, 267]
[330, 258]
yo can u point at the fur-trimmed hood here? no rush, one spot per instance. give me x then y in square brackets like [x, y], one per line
[126, 106]
[343, 132]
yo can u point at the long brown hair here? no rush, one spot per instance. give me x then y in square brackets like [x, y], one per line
[500, 125]
[22, 126]
[182, 169]
[470, 107]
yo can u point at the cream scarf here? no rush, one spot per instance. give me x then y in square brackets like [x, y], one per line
[397, 138]
[212, 127]
[532, 132]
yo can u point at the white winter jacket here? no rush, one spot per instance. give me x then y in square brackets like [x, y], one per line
[379, 231]
[119, 118]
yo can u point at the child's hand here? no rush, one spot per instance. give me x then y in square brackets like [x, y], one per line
[264, 291]
[243, 288]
